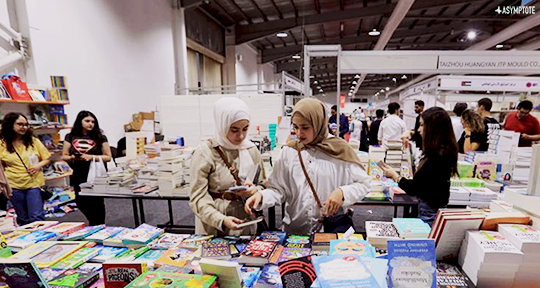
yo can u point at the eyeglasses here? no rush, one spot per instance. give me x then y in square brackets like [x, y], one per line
[23, 125]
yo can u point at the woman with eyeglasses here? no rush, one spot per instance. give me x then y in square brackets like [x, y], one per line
[23, 157]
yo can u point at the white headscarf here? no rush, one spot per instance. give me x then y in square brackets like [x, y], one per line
[227, 111]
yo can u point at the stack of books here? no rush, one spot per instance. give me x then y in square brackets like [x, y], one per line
[394, 156]
[378, 233]
[523, 164]
[526, 239]
[141, 236]
[458, 193]
[409, 228]
[534, 179]
[482, 194]
[173, 171]
[489, 259]
[376, 154]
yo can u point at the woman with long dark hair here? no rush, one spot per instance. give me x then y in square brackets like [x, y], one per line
[83, 145]
[431, 182]
[23, 156]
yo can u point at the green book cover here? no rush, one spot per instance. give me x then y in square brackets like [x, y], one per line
[77, 258]
[167, 279]
[131, 254]
[5, 252]
[74, 279]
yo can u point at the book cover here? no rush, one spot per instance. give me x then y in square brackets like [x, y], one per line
[175, 269]
[142, 234]
[49, 273]
[33, 250]
[343, 271]
[228, 272]
[259, 249]
[4, 249]
[249, 275]
[352, 236]
[151, 256]
[297, 273]
[167, 240]
[322, 240]
[269, 278]
[131, 254]
[105, 233]
[76, 259]
[378, 268]
[90, 267]
[293, 253]
[351, 247]
[412, 263]
[21, 273]
[57, 252]
[273, 236]
[15, 234]
[38, 225]
[74, 279]
[298, 241]
[179, 256]
[381, 229]
[116, 240]
[29, 239]
[411, 226]
[83, 233]
[65, 227]
[120, 274]
[450, 276]
[218, 250]
[107, 253]
[165, 279]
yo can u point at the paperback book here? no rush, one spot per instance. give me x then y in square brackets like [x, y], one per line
[76, 259]
[74, 279]
[412, 263]
[165, 279]
[343, 271]
[297, 273]
[269, 278]
[298, 241]
[257, 253]
[142, 235]
[83, 233]
[167, 240]
[107, 253]
[21, 273]
[216, 250]
[57, 252]
[65, 227]
[105, 233]
[228, 272]
[249, 276]
[351, 247]
[273, 236]
[120, 274]
[178, 256]
[38, 225]
[29, 239]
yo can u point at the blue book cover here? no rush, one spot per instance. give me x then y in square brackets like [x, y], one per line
[142, 234]
[151, 255]
[273, 236]
[411, 225]
[107, 253]
[31, 238]
[83, 233]
[378, 268]
[250, 275]
[343, 271]
[351, 247]
[107, 232]
[270, 277]
[412, 263]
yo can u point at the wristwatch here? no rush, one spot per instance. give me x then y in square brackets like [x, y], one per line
[467, 136]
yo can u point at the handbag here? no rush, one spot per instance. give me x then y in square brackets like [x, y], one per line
[333, 224]
[97, 169]
[45, 194]
[261, 226]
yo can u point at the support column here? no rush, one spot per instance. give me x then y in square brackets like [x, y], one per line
[229, 67]
[18, 15]
[260, 77]
[180, 52]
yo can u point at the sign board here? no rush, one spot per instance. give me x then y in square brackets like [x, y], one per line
[425, 86]
[475, 83]
[292, 83]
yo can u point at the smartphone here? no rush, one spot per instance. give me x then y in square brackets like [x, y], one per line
[237, 188]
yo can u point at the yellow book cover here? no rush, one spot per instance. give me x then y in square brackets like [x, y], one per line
[353, 236]
[177, 256]
[33, 250]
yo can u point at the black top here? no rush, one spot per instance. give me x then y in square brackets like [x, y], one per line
[417, 138]
[374, 131]
[431, 183]
[343, 124]
[82, 145]
[476, 137]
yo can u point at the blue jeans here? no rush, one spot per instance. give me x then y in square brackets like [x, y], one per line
[426, 212]
[28, 205]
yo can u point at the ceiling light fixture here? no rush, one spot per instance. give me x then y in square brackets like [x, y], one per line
[471, 35]
[387, 88]
[499, 46]
[354, 82]
[311, 77]
[282, 34]
[404, 76]
[318, 87]
[315, 82]
[374, 32]
[357, 76]
[296, 57]
[382, 90]
[394, 79]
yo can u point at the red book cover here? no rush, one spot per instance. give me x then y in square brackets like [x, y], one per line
[118, 274]
[261, 249]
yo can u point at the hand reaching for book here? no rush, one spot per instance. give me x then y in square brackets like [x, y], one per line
[252, 189]
[332, 204]
[232, 222]
[253, 202]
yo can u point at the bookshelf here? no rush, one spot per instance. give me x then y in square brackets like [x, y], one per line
[3, 100]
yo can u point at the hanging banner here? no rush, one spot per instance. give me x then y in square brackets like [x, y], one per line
[472, 83]
[342, 100]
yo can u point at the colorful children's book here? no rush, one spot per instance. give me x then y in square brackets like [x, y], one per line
[411, 228]
[273, 236]
[21, 273]
[412, 263]
[228, 272]
[74, 279]
[90, 267]
[65, 227]
[165, 279]
[120, 274]
[352, 236]
[216, 250]
[107, 253]
[38, 225]
[269, 277]
[131, 254]
[5, 252]
[83, 233]
[49, 273]
[57, 252]
[321, 241]
[179, 256]
[292, 253]
[378, 268]
[77, 259]
[297, 273]
[167, 240]
[150, 256]
[33, 250]
[15, 234]
[351, 247]
[298, 241]
[257, 253]
[116, 240]
[249, 275]
[30, 239]
[175, 269]
[343, 271]
[105, 233]
[142, 235]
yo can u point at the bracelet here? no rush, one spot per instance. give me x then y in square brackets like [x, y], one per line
[467, 136]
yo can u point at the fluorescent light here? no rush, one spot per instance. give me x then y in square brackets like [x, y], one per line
[387, 88]
[374, 32]
[296, 57]
[311, 77]
[499, 46]
[282, 34]
[471, 35]
[318, 87]
[404, 76]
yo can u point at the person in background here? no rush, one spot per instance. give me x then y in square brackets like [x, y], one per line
[456, 119]
[343, 122]
[431, 182]
[84, 144]
[374, 128]
[23, 157]
[418, 109]
[392, 127]
[490, 123]
[336, 173]
[218, 210]
[523, 122]
[473, 137]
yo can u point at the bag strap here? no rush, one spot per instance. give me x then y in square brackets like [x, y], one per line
[21, 159]
[309, 180]
[231, 168]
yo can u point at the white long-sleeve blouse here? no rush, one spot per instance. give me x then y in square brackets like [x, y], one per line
[288, 185]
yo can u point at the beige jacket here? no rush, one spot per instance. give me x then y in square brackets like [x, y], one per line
[210, 173]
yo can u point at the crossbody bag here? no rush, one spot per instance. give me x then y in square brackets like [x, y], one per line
[333, 224]
[45, 194]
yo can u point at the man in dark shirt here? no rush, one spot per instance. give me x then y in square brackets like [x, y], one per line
[374, 129]
[343, 122]
[418, 109]
[490, 123]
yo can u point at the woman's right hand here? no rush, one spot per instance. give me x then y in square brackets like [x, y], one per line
[253, 202]
[232, 222]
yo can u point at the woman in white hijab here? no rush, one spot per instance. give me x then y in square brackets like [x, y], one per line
[219, 211]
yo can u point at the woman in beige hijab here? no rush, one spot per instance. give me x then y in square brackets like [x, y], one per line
[338, 177]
